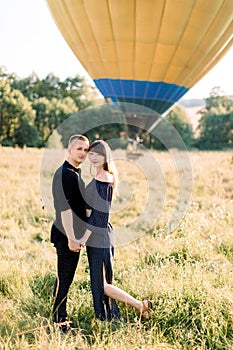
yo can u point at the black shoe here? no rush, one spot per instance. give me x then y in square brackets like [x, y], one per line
[66, 328]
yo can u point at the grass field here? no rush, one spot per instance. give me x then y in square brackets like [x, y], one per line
[188, 272]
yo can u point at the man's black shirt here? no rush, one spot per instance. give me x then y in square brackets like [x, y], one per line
[68, 193]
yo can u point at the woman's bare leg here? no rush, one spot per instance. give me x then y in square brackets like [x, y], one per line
[120, 295]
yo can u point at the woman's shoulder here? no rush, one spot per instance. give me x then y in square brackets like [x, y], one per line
[105, 177]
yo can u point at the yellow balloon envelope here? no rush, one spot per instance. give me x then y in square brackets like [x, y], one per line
[148, 52]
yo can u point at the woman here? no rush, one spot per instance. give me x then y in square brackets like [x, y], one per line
[98, 237]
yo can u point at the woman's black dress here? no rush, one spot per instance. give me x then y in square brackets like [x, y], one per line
[100, 247]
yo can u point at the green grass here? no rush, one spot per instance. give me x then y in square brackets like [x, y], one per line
[186, 272]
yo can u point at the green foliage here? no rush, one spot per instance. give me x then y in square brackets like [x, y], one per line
[216, 131]
[218, 102]
[216, 122]
[26, 134]
[52, 87]
[34, 106]
[15, 110]
[95, 123]
[42, 108]
[175, 122]
[179, 119]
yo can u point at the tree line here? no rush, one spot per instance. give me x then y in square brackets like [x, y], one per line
[32, 108]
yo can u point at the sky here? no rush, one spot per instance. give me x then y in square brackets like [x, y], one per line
[31, 42]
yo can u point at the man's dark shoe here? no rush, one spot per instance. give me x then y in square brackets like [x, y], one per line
[65, 327]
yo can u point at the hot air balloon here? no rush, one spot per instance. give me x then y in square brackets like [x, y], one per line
[146, 52]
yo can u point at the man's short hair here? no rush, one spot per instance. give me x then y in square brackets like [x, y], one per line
[75, 138]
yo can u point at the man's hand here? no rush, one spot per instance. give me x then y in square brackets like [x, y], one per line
[75, 246]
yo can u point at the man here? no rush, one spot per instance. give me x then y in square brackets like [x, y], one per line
[69, 225]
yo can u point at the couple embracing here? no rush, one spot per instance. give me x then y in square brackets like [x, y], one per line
[82, 219]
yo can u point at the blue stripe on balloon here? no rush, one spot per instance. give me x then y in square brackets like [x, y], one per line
[156, 95]
[160, 106]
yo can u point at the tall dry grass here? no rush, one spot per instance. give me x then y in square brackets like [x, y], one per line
[187, 272]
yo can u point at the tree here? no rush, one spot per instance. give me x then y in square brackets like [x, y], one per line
[15, 108]
[101, 122]
[42, 109]
[216, 131]
[81, 93]
[179, 120]
[26, 85]
[50, 114]
[217, 102]
[26, 134]
[45, 103]
[51, 87]
[216, 122]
